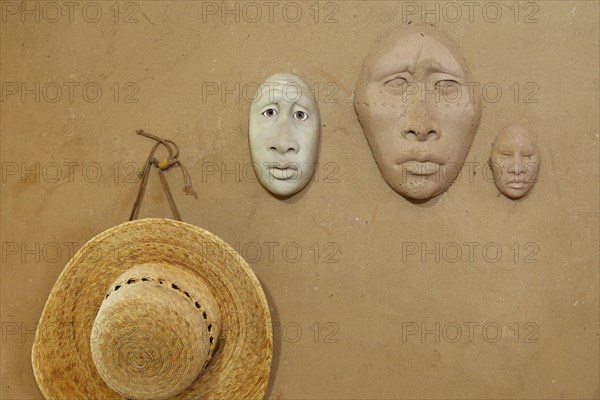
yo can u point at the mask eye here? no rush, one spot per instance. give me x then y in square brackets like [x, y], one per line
[527, 156]
[270, 113]
[448, 87]
[300, 116]
[447, 83]
[396, 82]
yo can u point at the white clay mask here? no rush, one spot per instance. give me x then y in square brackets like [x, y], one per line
[284, 134]
[417, 112]
[515, 161]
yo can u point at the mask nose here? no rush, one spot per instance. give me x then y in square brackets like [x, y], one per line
[518, 165]
[421, 134]
[420, 124]
[283, 141]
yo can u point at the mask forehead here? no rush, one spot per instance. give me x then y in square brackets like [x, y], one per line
[408, 52]
[285, 88]
[514, 138]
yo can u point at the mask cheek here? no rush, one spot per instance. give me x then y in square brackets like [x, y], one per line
[306, 162]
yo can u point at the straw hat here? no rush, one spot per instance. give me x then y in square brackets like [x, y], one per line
[154, 309]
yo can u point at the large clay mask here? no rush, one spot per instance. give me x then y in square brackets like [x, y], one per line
[284, 134]
[418, 111]
[515, 161]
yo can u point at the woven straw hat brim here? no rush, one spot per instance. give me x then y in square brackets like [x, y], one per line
[61, 356]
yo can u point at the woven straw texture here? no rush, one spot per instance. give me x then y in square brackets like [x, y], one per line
[61, 357]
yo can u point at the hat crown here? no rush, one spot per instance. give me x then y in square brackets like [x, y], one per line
[153, 334]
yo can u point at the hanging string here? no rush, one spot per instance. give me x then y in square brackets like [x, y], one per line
[162, 165]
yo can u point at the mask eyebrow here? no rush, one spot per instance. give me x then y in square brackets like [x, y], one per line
[284, 92]
[268, 96]
[388, 65]
[527, 148]
[426, 58]
[264, 107]
[391, 62]
[431, 66]
[304, 102]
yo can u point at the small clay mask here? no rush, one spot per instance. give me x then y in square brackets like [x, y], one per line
[417, 111]
[284, 134]
[515, 161]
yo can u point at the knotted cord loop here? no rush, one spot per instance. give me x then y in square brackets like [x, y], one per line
[161, 165]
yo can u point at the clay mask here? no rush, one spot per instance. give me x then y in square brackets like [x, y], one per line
[284, 134]
[417, 111]
[515, 161]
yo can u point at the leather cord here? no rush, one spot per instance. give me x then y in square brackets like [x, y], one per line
[162, 165]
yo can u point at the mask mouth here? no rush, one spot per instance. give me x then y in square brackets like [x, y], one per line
[283, 165]
[284, 171]
[517, 182]
[420, 157]
[516, 185]
[420, 168]
[522, 178]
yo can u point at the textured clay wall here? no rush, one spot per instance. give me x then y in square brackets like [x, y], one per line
[471, 295]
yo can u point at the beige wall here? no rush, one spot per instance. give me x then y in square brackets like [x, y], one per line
[342, 326]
